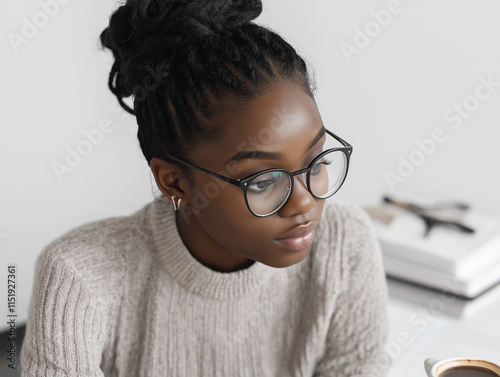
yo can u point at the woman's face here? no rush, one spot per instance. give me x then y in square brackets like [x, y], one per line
[213, 219]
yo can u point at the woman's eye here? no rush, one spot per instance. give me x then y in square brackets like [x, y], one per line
[261, 186]
[316, 169]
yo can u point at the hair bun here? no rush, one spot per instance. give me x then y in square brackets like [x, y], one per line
[234, 12]
[179, 17]
[143, 31]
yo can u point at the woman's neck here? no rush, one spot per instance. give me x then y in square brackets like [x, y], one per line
[205, 249]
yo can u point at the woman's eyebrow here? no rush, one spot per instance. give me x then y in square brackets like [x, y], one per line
[262, 155]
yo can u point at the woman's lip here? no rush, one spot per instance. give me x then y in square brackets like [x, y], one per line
[299, 231]
[298, 243]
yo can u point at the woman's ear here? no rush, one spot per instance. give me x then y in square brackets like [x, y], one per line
[168, 179]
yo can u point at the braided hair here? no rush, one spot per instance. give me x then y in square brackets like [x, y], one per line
[186, 60]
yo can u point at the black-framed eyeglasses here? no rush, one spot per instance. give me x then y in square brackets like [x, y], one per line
[267, 191]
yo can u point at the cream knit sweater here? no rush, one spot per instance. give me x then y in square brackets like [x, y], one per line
[124, 297]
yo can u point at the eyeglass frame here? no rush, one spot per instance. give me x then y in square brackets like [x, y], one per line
[243, 183]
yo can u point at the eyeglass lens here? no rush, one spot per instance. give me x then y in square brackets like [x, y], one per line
[268, 191]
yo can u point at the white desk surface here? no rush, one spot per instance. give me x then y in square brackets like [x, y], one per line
[429, 324]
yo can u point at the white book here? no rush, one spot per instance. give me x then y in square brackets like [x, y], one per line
[469, 287]
[440, 303]
[459, 255]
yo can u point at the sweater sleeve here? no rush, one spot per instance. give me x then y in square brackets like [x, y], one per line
[359, 325]
[65, 331]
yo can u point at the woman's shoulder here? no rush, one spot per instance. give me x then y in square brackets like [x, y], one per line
[98, 252]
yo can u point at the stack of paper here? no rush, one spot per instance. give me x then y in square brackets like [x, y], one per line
[446, 259]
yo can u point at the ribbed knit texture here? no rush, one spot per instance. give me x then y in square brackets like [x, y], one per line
[124, 297]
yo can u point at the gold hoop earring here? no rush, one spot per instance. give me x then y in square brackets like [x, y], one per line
[178, 205]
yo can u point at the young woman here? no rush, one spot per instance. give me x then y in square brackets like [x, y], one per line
[252, 272]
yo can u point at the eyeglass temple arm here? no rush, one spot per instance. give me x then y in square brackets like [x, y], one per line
[226, 179]
[238, 182]
[342, 141]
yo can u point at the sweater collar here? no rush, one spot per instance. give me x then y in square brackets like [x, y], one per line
[178, 262]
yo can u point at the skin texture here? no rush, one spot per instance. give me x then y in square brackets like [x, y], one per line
[219, 231]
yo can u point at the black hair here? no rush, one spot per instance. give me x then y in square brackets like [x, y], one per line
[186, 60]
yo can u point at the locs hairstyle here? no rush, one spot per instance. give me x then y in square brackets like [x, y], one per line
[184, 61]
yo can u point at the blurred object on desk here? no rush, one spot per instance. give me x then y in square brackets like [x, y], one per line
[448, 259]
[441, 303]
[448, 214]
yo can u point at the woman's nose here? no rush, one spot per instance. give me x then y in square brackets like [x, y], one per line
[300, 200]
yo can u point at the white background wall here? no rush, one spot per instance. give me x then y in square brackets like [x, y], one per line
[391, 92]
